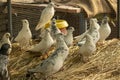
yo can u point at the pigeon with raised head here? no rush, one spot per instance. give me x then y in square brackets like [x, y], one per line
[4, 52]
[6, 39]
[24, 36]
[88, 48]
[54, 30]
[54, 62]
[105, 29]
[44, 44]
[69, 36]
[93, 31]
[46, 16]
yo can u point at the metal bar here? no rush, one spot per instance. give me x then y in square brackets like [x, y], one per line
[118, 17]
[83, 22]
[10, 17]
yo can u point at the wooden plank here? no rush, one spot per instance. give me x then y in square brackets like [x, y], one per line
[2, 6]
[27, 11]
[68, 9]
[3, 27]
[2, 22]
[3, 3]
[3, 16]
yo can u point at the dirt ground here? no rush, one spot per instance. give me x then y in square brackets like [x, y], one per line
[103, 65]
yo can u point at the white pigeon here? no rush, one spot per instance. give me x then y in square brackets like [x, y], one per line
[6, 39]
[105, 29]
[44, 44]
[4, 52]
[24, 36]
[89, 47]
[46, 16]
[54, 62]
[69, 36]
[93, 31]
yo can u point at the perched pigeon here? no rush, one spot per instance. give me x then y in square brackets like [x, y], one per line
[5, 39]
[46, 16]
[93, 31]
[24, 36]
[54, 62]
[4, 52]
[54, 30]
[44, 44]
[61, 43]
[69, 37]
[89, 47]
[105, 29]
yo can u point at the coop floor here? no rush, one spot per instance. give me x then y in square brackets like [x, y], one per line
[103, 65]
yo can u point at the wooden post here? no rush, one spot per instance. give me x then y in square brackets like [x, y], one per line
[118, 16]
[83, 22]
[10, 17]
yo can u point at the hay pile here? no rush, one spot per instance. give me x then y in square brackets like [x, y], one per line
[103, 65]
